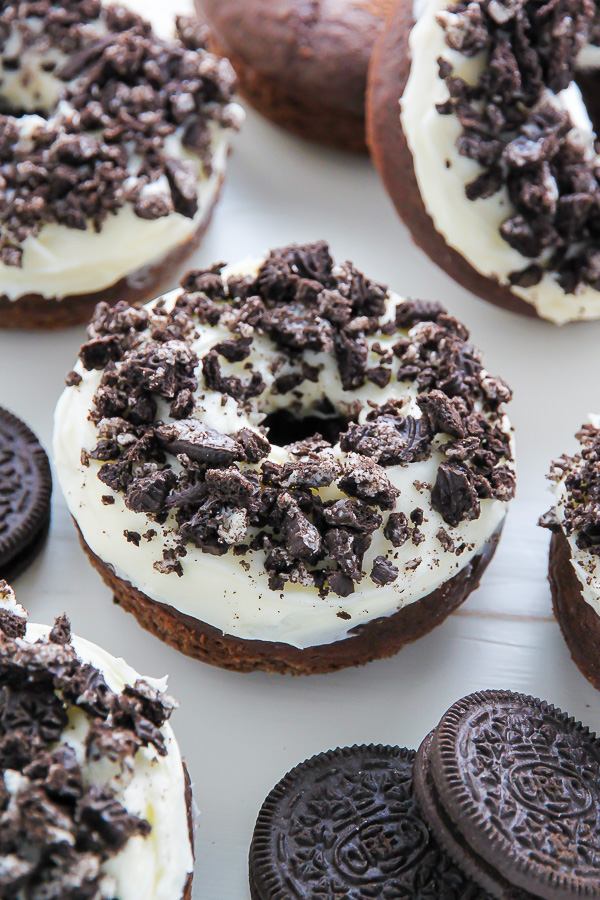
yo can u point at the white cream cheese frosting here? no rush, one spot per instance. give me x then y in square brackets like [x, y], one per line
[233, 594]
[155, 867]
[59, 261]
[585, 564]
[442, 172]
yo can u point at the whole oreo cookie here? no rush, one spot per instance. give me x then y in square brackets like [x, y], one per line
[25, 491]
[510, 786]
[346, 824]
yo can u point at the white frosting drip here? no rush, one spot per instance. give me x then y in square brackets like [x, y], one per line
[585, 565]
[472, 227]
[218, 590]
[148, 868]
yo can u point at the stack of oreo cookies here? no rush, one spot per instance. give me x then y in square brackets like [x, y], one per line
[501, 800]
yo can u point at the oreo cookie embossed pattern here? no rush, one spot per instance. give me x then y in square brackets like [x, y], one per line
[25, 490]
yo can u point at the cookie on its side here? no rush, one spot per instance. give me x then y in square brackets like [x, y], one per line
[483, 139]
[346, 823]
[574, 564]
[285, 465]
[302, 65]
[94, 797]
[25, 493]
[114, 147]
[510, 787]
[501, 802]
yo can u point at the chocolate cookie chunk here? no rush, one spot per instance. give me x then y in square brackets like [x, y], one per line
[346, 824]
[25, 490]
[510, 786]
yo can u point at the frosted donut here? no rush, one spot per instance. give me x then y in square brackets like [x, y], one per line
[113, 147]
[284, 465]
[303, 65]
[481, 132]
[96, 801]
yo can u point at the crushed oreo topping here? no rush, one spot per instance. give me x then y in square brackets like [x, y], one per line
[313, 517]
[580, 475]
[58, 825]
[125, 95]
[522, 141]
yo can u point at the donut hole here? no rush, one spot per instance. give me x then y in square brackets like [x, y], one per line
[285, 427]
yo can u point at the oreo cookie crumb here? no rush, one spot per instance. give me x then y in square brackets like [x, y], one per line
[383, 571]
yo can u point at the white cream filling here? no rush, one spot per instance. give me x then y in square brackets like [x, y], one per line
[585, 565]
[219, 590]
[155, 867]
[472, 227]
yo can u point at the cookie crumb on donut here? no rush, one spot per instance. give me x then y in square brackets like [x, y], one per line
[310, 519]
[580, 506]
[524, 143]
[51, 795]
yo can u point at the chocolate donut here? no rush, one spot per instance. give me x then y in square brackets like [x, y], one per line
[284, 465]
[574, 569]
[479, 127]
[95, 799]
[113, 148]
[303, 65]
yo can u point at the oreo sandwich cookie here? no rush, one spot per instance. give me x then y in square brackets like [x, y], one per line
[25, 491]
[345, 824]
[510, 787]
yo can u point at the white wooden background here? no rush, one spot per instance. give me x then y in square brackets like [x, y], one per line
[241, 733]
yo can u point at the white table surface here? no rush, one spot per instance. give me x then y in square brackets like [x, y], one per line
[241, 733]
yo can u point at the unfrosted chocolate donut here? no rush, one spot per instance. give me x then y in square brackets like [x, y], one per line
[302, 64]
[284, 465]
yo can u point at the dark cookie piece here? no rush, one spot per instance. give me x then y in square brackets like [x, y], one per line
[25, 490]
[346, 824]
[510, 786]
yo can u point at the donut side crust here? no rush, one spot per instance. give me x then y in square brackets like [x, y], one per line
[579, 622]
[376, 639]
[33, 311]
[388, 75]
